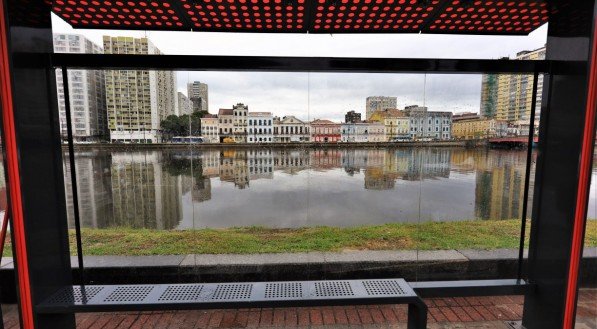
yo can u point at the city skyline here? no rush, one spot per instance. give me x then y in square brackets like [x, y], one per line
[330, 95]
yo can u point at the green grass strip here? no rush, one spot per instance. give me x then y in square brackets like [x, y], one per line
[477, 234]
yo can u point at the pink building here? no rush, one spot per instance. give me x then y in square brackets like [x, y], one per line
[325, 131]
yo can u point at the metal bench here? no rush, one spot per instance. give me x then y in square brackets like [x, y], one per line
[109, 298]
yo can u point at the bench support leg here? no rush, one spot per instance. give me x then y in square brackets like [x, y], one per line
[417, 315]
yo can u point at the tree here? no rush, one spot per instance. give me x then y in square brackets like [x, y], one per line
[179, 125]
[172, 126]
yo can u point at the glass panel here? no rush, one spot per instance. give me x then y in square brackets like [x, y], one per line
[299, 171]
[472, 193]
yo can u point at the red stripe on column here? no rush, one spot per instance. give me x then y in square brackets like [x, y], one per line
[13, 176]
[584, 180]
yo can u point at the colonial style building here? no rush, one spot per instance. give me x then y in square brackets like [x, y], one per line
[325, 131]
[225, 123]
[428, 124]
[396, 123]
[290, 129]
[479, 128]
[363, 132]
[260, 127]
[210, 128]
[239, 123]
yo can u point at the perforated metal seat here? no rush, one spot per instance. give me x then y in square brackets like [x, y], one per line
[105, 298]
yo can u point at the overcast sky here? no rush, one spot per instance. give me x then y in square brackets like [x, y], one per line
[330, 95]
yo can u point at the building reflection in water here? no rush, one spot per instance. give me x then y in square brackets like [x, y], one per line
[499, 183]
[170, 189]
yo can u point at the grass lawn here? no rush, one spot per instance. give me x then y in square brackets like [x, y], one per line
[478, 234]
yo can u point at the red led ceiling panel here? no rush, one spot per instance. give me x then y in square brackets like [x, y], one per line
[314, 16]
[120, 14]
[372, 15]
[247, 15]
[490, 17]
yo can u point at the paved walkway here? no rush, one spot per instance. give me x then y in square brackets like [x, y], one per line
[448, 313]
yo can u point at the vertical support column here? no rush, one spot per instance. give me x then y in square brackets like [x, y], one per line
[33, 156]
[560, 199]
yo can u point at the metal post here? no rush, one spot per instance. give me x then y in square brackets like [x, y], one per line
[73, 176]
[417, 315]
[33, 157]
[565, 148]
[527, 177]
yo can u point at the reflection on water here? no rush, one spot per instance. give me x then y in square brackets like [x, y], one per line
[181, 189]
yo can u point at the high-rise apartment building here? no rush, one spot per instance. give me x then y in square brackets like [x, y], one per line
[167, 94]
[198, 94]
[489, 94]
[508, 97]
[379, 103]
[352, 117]
[86, 91]
[185, 106]
[137, 100]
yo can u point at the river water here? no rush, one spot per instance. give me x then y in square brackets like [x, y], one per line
[191, 188]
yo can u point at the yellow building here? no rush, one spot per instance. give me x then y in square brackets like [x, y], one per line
[396, 123]
[478, 128]
[508, 97]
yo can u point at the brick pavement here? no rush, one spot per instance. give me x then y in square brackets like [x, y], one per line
[444, 313]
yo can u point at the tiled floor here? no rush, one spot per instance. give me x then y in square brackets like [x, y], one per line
[469, 312]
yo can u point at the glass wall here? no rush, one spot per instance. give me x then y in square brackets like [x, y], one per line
[337, 169]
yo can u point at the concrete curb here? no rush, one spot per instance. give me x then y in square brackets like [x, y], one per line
[409, 264]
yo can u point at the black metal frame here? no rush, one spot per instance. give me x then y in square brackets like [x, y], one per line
[36, 130]
[570, 37]
[527, 176]
[302, 64]
[468, 288]
[73, 174]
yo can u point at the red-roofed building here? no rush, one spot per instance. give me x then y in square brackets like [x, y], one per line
[225, 121]
[325, 131]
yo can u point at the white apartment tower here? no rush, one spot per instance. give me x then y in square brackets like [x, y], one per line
[380, 103]
[137, 100]
[198, 94]
[185, 106]
[86, 91]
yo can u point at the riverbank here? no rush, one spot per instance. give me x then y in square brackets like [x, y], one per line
[479, 234]
[109, 146]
